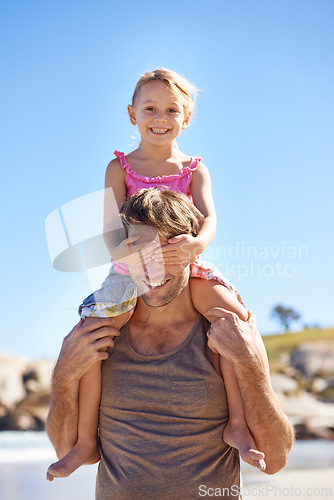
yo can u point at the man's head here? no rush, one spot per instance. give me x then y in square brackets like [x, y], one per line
[168, 212]
[160, 215]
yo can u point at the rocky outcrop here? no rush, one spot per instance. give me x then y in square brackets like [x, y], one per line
[12, 389]
[282, 384]
[311, 417]
[314, 359]
[306, 390]
[24, 392]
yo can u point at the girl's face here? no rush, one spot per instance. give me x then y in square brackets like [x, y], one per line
[159, 114]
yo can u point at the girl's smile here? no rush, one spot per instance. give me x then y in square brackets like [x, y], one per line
[159, 130]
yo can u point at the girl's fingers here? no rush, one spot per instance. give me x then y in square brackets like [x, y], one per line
[170, 262]
[178, 238]
[169, 249]
[164, 255]
[143, 250]
[137, 254]
[149, 249]
[171, 255]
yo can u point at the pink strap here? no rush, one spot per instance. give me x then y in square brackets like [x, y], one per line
[195, 160]
[121, 157]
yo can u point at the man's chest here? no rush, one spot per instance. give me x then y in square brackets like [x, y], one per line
[149, 341]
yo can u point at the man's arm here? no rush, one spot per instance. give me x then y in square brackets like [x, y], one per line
[62, 421]
[241, 343]
[84, 346]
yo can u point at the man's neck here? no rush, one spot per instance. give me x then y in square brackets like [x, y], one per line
[159, 330]
[178, 310]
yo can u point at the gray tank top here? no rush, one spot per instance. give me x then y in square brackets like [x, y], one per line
[161, 423]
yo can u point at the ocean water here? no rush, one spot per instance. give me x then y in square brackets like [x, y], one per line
[25, 456]
[22, 447]
[24, 459]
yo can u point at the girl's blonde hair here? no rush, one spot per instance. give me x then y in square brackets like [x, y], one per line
[179, 85]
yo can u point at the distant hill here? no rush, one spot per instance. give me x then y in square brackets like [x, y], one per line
[283, 344]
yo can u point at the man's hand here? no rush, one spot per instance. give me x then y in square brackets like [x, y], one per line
[231, 337]
[84, 346]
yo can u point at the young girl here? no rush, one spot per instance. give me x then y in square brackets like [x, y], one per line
[161, 107]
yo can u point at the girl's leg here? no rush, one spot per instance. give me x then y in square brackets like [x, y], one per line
[86, 450]
[236, 432]
[205, 295]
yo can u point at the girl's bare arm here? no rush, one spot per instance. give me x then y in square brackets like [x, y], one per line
[185, 247]
[203, 200]
[114, 196]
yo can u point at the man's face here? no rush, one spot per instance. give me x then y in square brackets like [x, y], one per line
[158, 284]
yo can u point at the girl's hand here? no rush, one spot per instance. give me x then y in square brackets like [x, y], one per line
[181, 249]
[134, 254]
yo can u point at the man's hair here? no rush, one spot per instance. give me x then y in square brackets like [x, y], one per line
[169, 212]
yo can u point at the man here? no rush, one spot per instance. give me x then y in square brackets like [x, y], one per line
[163, 407]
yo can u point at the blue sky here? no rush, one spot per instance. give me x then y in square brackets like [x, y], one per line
[263, 125]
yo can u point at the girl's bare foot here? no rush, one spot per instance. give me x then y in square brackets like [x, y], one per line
[240, 437]
[81, 454]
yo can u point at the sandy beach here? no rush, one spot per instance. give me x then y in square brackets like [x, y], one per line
[26, 482]
[309, 474]
[298, 483]
[290, 483]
